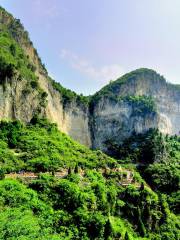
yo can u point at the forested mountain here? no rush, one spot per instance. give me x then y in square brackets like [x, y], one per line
[52, 186]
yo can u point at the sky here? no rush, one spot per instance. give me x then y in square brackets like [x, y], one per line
[86, 43]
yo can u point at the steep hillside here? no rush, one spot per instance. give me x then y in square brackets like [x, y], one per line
[136, 102]
[39, 147]
[51, 187]
[20, 98]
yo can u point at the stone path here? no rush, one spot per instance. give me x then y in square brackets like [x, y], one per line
[125, 180]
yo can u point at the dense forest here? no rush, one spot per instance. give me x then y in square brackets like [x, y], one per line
[95, 197]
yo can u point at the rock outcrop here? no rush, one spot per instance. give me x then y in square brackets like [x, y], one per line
[136, 102]
[19, 101]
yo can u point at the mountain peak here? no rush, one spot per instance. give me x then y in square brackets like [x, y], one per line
[141, 81]
[16, 30]
[140, 74]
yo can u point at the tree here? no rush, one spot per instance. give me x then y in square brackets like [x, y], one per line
[126, 236]
[108, 231]
[6, 70]
[76, 169]
[142, 187]
[18, 224]
[2, 174]
[13, 49]
[69, 170]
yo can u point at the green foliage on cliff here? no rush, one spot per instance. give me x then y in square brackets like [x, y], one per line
[69, 96]
[15, 65]
[141, 104]
[16, 30]
[122, 90]
[13, 59]
[112, 90]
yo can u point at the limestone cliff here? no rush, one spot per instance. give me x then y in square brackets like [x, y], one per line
[134, 103]
[19, 100]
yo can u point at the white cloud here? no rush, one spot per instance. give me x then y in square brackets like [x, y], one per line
[104, 73]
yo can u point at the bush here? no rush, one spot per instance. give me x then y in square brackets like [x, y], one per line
[6, 70]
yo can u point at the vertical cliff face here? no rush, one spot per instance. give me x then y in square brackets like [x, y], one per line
[72, 117]
[117, 121]
[18, 99]
[136, 102]
[15, 103]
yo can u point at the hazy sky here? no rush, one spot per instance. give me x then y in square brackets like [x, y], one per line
[86, 43]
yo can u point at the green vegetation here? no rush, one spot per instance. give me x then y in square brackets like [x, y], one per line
[113, 89]
[40, 147]
[89, 202]
[141, 104]
[117, 91]
[16, 30]
[14, 64]
[53, 188]
[158, 160]
[141, 148]
[13, 59]
[69, 96]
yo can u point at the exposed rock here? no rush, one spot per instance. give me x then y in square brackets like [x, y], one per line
[115, 112]
[118, 119]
